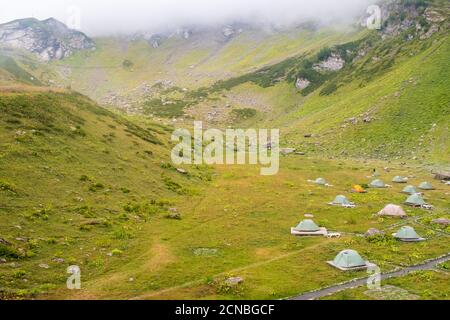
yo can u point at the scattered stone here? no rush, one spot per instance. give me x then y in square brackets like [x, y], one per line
[182, 171]
[309, 215]
[58, 260]
[4, 242]
[445, 176]
[234, 281]
[286, 151]
[302, 83]
[205, 252]
[44, 266]
[373, 232]
[2, 260]
[333, 63]
[441, 221]
[174, 216]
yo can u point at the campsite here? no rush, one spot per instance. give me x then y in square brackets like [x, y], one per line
[214, 150]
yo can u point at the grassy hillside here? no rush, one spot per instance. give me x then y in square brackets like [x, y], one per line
[73, 176]
[391, 99]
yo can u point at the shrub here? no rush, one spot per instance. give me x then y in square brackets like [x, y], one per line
[244, 114]
[19, 274]
[127, 64]
[8, 252]
[6, 186]
[116, 252]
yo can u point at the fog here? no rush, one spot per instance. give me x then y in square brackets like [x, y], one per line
[106, 17]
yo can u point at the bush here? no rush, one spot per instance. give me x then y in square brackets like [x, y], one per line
[244, 114]
[6, 186]
[19, 274]
[8, 252]
[127, 64]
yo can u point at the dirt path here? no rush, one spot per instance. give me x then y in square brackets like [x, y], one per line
[361, 282]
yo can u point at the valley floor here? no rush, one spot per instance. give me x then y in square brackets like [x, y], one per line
[239, 226]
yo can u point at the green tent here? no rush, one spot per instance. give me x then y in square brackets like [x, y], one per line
[426, 186]
[307, 226]
[349, 259]
[342, 200]
[377, 184]
[407, 233]
[320, 181]
[415, 200]
[409, 190]
[399, 179]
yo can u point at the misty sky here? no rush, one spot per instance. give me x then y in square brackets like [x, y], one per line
[103, 17]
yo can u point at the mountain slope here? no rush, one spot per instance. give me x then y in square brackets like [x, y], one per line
[74, 175]
[123, 71]
[384, 95]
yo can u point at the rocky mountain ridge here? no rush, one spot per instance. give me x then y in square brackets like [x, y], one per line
[50, 39]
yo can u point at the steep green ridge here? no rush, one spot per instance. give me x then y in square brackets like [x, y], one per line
[12, 72]
[390, 100]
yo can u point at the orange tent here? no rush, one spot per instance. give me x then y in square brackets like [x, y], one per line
[358, 189]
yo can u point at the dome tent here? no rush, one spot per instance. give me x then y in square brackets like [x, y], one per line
[426, 186]
[377, 184]
[358, 189]
[307, 226]
[320, 181]
[407, 233]
[349, 260]
[341, 201]
[409, 190]
[400, 179]
[415, 200]
[392, 211]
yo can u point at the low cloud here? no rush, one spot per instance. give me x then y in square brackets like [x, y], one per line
[104, 17]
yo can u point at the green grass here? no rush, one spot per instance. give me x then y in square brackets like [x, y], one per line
[70, 171]
[249, 233]
[424, 285]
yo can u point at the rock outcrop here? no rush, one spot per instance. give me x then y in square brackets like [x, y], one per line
[333, 63]
[50, 39]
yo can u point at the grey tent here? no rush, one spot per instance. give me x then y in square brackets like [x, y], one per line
[307, 226]
[407, 233]
[320, 181]
[415, 200]
[399, 179]
[409, 190]
[377, 184]
[426, 186]
[348, 260]
[341, 200]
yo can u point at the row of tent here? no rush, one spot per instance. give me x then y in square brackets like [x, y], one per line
[414, 200]
[350, 259]
[405, 233]
[378, 183]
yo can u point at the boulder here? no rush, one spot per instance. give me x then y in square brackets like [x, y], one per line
[373, 232]
[234, 281]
